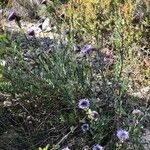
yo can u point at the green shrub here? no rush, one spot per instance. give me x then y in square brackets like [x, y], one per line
[62, 95]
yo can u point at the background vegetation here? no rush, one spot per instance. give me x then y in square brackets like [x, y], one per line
[100, 51]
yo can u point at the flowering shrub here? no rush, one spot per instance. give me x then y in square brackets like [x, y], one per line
[77, 93]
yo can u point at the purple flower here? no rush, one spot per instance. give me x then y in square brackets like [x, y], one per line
[31, 32]
[12, 15]
[86, 48]
[122, 135]
[84, 103]
[97, 147]
[85, 127]
[93, 115]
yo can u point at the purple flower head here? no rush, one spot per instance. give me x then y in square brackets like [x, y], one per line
[31, 32]
[86, 48]
[97, 147]
[12, 15]
[122, 135]
[93, 115]
[85, 127]
[83, 104]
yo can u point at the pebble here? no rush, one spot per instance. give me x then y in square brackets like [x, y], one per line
[7, 103]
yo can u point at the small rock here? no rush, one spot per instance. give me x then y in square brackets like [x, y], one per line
[66, 148]
[7, 103]
[86, 148]
[145, 90]
[137, 112]
[143, 93]
[46, 25]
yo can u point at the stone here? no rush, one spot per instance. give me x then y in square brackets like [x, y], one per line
[46, 25]
[7, 103]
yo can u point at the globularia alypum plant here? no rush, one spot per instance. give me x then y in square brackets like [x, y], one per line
[48, 93]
